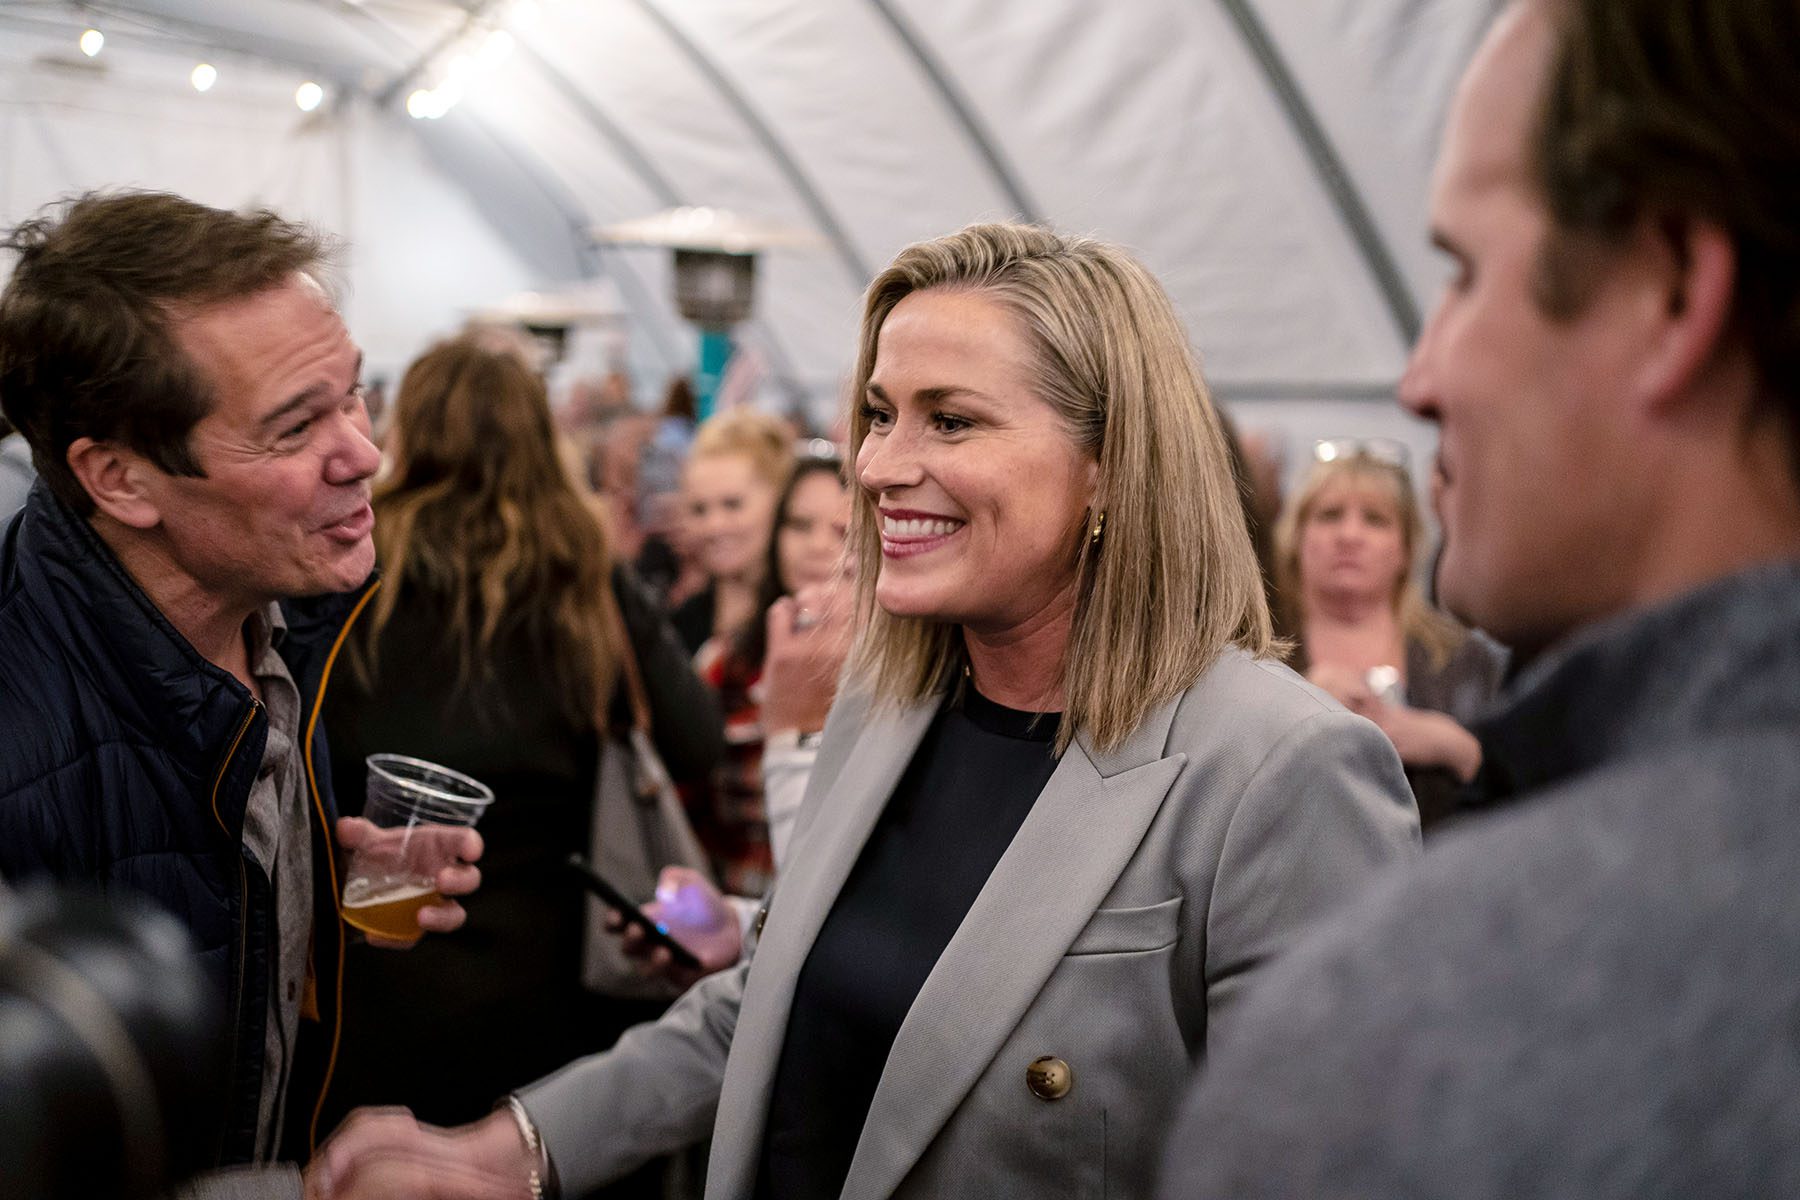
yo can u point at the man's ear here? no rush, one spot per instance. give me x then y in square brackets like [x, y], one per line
[115, 479]
[1699, 279]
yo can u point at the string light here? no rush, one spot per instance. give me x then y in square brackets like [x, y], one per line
[423, 105]
[204, 75]
[494, 50]
[91, 42]
[309, 96]
[480, 51]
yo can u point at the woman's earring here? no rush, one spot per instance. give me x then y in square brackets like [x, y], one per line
[1099, 528]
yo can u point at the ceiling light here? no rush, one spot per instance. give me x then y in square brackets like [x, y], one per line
[430, 104]
[203, 76]
[308, 96]
[494, 50]
[91, 41]
[445, 96]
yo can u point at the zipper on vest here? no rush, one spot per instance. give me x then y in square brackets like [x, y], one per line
[231, 754]
[237, 986]
[312, 783]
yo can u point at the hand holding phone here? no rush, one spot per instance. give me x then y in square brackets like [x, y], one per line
[653, 931]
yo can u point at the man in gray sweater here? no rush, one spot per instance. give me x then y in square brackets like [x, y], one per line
[1595, 992]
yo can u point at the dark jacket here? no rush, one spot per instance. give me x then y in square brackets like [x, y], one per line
[126, 762]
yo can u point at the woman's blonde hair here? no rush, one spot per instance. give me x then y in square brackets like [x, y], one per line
[1172, 580]
[478, 513]
[758, 438]
[1419, 622]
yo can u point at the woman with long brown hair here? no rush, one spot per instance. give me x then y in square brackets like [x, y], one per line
[489, 648]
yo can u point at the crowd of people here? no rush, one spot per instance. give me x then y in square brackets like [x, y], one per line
[1071, 814]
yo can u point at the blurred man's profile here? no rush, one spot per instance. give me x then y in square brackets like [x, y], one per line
[1595, 992]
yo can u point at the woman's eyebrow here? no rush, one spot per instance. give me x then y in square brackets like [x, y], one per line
[928, 395]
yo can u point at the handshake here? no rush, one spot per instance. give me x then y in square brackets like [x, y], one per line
[386, 1154]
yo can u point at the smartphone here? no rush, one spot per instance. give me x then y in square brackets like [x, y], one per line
[614, 898]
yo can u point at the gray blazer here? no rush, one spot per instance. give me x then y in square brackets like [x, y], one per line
[1115, 934]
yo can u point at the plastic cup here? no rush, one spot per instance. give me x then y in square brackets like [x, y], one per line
[419, 810]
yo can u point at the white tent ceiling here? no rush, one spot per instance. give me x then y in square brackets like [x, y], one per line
[1267, 158]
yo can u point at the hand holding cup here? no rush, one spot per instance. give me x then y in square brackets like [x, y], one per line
[411, 849]
[446, 853]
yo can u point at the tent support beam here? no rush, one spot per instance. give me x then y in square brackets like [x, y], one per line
[1270, 389]
[586, 253]
[609, 130]
[986, 148]
[1333, 175]
[583, 256]
[659, 185]
[789, 167]
[590, 255]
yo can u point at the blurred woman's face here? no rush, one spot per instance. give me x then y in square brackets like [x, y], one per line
[981, 492]
[730, 509]
[1351, 542]
[809, 544]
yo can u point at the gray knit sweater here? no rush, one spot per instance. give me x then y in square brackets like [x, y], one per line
[1595, 993]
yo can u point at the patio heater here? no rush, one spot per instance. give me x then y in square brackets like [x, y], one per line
[715, 276]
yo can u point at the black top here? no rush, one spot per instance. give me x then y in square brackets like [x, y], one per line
[967, 790]
[693, 618]
[1461, 687]
[504, 990]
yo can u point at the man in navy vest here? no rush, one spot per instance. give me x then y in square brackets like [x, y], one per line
[172, 598]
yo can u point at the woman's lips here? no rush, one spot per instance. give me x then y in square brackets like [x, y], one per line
[905, 534]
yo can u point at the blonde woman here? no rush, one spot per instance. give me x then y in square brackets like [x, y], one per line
[734, 477]
[1065, 809]
[1346, 553]
[739, 463]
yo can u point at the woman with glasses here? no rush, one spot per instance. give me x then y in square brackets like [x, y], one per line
[1346, 550]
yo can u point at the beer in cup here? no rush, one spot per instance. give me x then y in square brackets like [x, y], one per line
[419, 810]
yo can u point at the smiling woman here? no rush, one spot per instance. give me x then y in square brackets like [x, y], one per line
[734, 477]
[1065, 807]
[735, 472]
[977, 480]
[1012, 380]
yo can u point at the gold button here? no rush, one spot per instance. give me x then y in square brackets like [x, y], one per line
[1049, 1078]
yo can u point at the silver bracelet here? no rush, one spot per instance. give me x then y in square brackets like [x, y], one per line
[540, 1179]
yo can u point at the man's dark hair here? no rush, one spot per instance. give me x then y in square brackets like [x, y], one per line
[87, 342]
[1681, 109]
